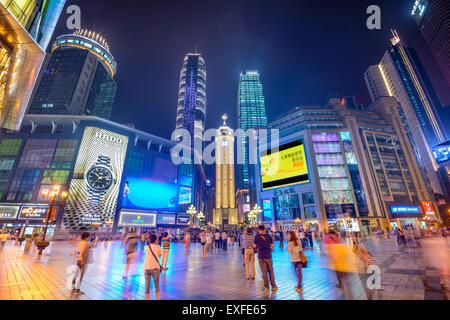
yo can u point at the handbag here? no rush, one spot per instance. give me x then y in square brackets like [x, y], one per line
[160, 267]
[304, 259]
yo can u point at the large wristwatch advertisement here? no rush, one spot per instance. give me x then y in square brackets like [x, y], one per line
[99, 179]
[94, 189]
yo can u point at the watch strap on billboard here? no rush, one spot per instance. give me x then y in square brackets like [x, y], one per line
[104, 161]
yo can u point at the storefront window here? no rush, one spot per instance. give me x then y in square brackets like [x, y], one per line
[287, 207]
[308, 198]
[310, 212]
[38, 153]
[23, 184]
[64, 154]
[55, 177]
[10, 147]
[267, 210]
[135, 164]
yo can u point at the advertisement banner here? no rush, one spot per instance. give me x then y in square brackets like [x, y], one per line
[284, 166]
[144, 194]
[183, 219]
[137, 219]
[428, 207]
[406, 211]
[37, 212]
[8, 212]
[166, 218]
[94, 189]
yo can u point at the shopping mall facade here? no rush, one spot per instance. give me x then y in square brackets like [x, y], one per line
[117, 177]
[345, 167]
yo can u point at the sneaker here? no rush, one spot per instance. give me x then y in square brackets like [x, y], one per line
[265, 289]
[274, 289]
[79, 293]
[299, 289]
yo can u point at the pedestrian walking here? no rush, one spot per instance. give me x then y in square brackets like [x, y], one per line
[281, 235]
[130, 244]
[143, 240]
[301, 237]
[203, 239]
[343, 261]
[264, 244]
[3, 239]
[224, 238]
[242, 247]
[187, 240]
[309, 237]
[152, 267]
[165, 250]
[296, 251]
[249, 254]
[217, 238]
[364, 260]
[83, 259]
[210, 241]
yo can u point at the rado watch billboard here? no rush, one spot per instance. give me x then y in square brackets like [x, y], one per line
[96, 180]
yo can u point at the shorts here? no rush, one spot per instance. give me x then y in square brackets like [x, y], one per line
[203, 243]
[131, 257]
[243, 251]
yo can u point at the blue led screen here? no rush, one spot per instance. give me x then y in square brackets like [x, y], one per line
[148, 194]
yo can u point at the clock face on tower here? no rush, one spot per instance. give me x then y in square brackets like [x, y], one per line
[100, 178]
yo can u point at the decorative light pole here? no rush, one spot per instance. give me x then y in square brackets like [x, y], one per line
[254, 213]
[192, 212]
[200, 217]
[52, 196]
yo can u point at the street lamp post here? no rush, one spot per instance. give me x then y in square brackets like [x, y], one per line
[52, 196]
[254, 213]
[192, 212]
[200, 217]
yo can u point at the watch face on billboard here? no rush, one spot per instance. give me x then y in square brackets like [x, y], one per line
[283, 166]
[94, 189]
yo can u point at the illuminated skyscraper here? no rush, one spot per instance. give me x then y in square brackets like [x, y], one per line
[251, 114]
[432, 17]
[26, 27]
[225, 212]
[191, 110]
[77, 78]
[403, 81]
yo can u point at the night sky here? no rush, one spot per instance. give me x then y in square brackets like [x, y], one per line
[302, 49]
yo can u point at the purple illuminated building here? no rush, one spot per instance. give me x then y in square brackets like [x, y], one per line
[191, 111]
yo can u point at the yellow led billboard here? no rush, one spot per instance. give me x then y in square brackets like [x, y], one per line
[285, 165]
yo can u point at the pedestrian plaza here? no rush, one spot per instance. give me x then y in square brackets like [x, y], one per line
[220, 276]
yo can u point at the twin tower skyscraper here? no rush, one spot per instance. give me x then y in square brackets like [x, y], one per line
[191, 107]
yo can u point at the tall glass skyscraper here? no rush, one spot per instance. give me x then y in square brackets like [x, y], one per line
[77, 78]
[26, 28]
[251, 114]
[402, 80]
[432, 17]
[191, 110]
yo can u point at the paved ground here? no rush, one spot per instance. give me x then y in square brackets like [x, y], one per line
[221, 276]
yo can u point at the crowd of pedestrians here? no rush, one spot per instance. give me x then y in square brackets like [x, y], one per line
[347, 253]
